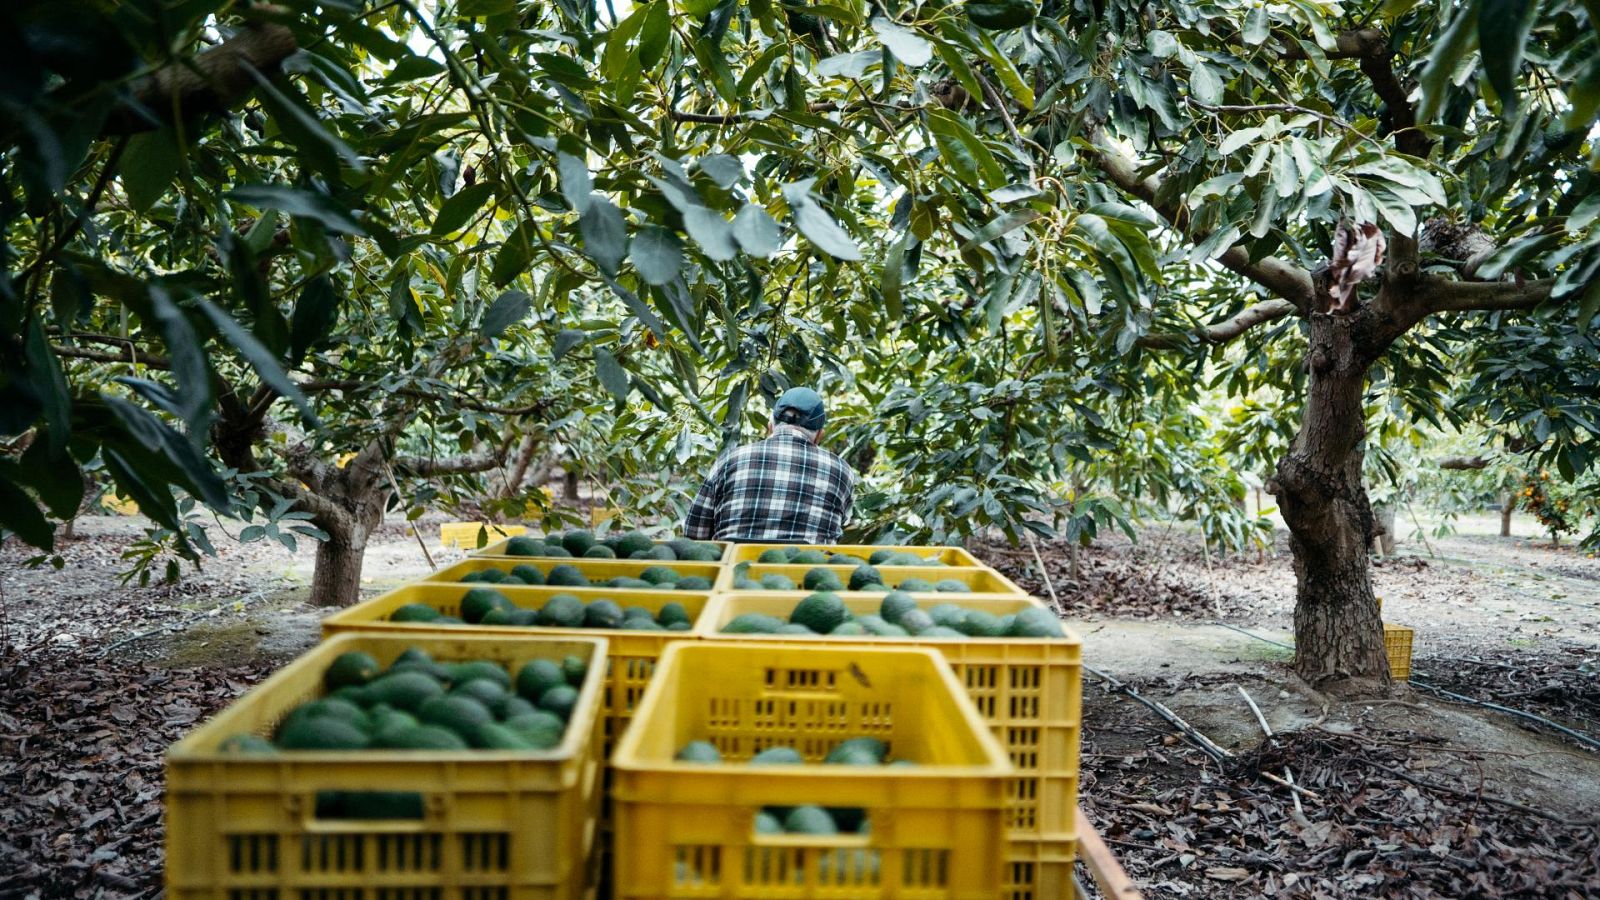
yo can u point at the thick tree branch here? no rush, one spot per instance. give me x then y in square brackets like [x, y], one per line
[1287, 280]
[1459, 463]
[1443, 295]
[131, 355]
[1223, 331]
[213, 82]
[458, 465]
[319, 385]
[1379, 69]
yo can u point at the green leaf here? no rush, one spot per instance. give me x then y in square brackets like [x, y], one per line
[638, 307]
[657, 255]
[191, 369]
[961, 149]
[908, 46]
[605, 234]
[507, 309]
[1502, 31]
[1457, 41]
[1256, 27]
[315, 314]
[148, 167]
[299, 123]
[485, 7]
[22, 517]
[299, 202]
[1584, 214]
[514, 256]
[576, 185]
[55, 478]
[1204, 85]
[1007, 71]
[726, 171]
[617, 57]
[848, 65]
[612, 376]
[1237, 140]
[891, 284]
[49, 386]
[157, 437]
[711, 231]
[1508, 257]
[567, 340]
[459, 209]
[756, 231]
[654, 33]
[815, 223]
[259, 357]
[1000, 225]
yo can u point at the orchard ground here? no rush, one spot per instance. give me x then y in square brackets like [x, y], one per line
[1412, 796]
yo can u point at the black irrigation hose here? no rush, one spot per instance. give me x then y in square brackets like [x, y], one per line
[1578, 736]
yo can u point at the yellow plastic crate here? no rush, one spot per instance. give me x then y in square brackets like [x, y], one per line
[1029, 690]
[950, 556]
[630, 661]
[984, 582]
[596, 570]
[465, 534]
[517, 825]
[1040, 869]
[1397, 642]
[497, 550]
[689, 828]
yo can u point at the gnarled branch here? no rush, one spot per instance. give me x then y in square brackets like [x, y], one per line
[457, 465]
[1461, 463]
[1444, 295]
[1223, 331]
[1287, 280]
[214, 81]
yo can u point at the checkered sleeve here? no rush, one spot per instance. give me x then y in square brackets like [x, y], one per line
[701, 522]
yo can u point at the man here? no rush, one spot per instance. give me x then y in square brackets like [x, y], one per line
[782, 490]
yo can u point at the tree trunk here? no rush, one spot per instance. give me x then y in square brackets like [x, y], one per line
[571, 491]
[1337, 631]
[1385, 514]
[1508, 505]
[336, 581]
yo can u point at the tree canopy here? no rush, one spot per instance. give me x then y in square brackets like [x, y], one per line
[1027, 248]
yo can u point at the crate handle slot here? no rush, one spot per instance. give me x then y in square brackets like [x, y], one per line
[327, 812]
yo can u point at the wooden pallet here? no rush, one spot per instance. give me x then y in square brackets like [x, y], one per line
[1108, 875]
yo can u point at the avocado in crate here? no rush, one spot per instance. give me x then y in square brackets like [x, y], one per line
[584, 544]
[898, 615]
[852, 555]
[864, 577]
[601, 573]
[489, 606]
[807, 772]
[437, 761]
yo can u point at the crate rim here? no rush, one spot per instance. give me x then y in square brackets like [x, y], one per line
[625, 755]
[345, 622]
[188, 749]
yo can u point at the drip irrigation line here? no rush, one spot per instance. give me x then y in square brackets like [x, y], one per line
[1210, 747]
[1578, 736]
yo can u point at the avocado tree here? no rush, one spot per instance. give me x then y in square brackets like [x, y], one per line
[1044, 221]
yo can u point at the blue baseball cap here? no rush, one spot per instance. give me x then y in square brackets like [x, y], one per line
[800, 406]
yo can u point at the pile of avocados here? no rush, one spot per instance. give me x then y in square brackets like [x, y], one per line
[888, 556]
[865, 577]
[630, 545]
[900, 615]
[858, 751]
[487, 606]
[419, 703]
[652, 578]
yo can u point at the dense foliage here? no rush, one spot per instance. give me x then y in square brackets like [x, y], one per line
[449, 236]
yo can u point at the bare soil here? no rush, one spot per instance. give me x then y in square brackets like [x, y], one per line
[1409, 796]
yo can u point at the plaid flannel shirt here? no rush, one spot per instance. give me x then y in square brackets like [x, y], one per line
[784, 489]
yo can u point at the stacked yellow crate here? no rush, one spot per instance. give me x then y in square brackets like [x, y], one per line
[1029, 690]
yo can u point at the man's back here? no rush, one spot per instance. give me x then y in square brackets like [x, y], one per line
[784, 489]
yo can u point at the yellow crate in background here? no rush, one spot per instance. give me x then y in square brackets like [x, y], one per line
[465, 534]
[596, 570]
[1397, 643]
[688, 828]
[1028, 690]
[517, 825]
[980, 581]
[950, 556]
[629, 664]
